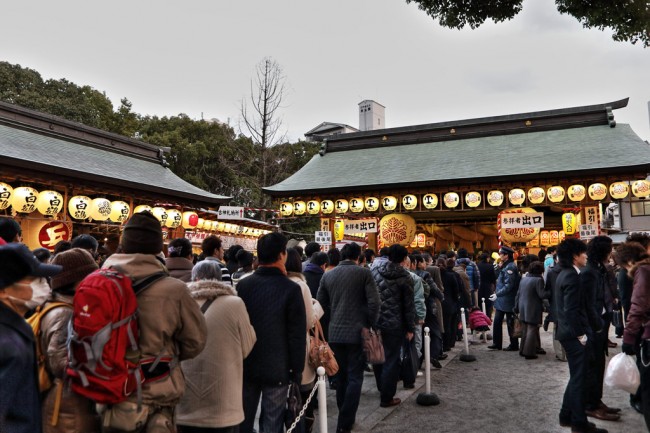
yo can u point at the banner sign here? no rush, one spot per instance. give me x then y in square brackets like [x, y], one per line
[230, 213]
[368, 225]
[323, 237]
[588, 231]
[522, 220]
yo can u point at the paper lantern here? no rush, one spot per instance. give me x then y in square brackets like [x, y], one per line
[142, 208]
[451, 200]
[313, 207]
[576, 192]
[536, 195]
[641, 188]
[371, 204]
[430, 201]
[174, 218]
[473, 199]
[618, 190]
[597, 191]
[5, 195]
[327, 206]
[218, 226]
[49, 203]
[23, 200]
[190, 220]
[161, 214]
[561, 235]
[516, 196]
[495, 198]
[554, 236]
[341, 206]
[200, 223]
[421, 239]
[299, 208]
[286, 208]
[120, 211]
[339, 229]
[544, 238]
[569, 223]
[356, 204]
[519, 235]
[555, 194]
[397, 228]
[389, 202]
[100, 209]
[79, 207]
[409, 202]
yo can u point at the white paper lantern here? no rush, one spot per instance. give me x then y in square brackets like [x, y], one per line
[79, 207]
[23, 200]
[120, 211]
[100, 209]
[5, 195]
[49, 203]
[174, 218]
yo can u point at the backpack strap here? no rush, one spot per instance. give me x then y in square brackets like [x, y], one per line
[140, 285]
[206, 305]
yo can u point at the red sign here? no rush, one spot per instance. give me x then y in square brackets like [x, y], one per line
[52, 233]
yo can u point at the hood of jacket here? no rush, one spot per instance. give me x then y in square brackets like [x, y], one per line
[180, 263]
[210, 289]
[391, 271]
[311, 267]
[636, 267]
[137, 266]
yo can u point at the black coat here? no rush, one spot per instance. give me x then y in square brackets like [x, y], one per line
[488, 279]
[277, 312]
[20, 406]
[396, 290]
[571, 311]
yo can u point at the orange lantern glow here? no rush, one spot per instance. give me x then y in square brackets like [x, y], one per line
[339, 230]
[544, 238]
[569, 223]
[597, 191]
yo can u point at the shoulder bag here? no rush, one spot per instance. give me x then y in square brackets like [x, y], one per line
[320, 354]
[373, 347]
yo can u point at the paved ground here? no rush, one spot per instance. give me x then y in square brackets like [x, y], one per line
[499, 393]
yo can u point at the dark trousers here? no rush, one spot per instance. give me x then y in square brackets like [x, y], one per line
[190, 429]
[497, 329]
[530, 340]
[595, 369]
[450, 320]
[274, 401]
[349, 380]
[573, 404]
[387, 374]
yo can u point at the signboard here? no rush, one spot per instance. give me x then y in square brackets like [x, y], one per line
[325, 224]
[367, 225]
[592, 217]
[588, 231]
[323, 238]
[230, 213]
[522, 220]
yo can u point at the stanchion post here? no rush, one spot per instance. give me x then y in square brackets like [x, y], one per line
[483, 306]
[427, 398]
[322, 400]
[465, 357]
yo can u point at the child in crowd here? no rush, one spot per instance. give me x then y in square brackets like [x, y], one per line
[479, 322]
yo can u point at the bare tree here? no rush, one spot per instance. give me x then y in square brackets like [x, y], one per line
[260, 118]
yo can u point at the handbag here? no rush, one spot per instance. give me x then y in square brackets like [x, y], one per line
[373, 347]
[294, 404]
[320, 354]
[617, 318]
[518, 328]
[410, 362]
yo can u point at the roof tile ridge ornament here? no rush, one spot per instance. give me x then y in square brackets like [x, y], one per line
[161, 155]
[610, 116]
[323, 148]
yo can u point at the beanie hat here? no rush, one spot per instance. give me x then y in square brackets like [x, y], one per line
[9, 228]
[142, 234]
[76, 263]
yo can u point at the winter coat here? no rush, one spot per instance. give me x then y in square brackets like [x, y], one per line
[593, 279]
[570, 303]
[170, 324]
[397, 313]
[76, 413]
[452, 286]
[277, 312]
[488, 280]
[418, 296]
[20, 407]
[313, 273]
[214, 379]
[477, 319]
[472, 273]
[465, 296]
[528, 302]
[507, 285]
[180, 267]
[625, 285]
[434, 271]
[349, 296]
[308, 372]
[638, 318]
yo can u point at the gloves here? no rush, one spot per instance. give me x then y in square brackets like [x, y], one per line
[628, 349]
[493, 297]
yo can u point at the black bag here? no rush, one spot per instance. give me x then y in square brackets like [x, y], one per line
[294, 404]
[410, 361]
[617, 318]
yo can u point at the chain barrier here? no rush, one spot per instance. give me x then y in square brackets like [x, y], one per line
[304, 408]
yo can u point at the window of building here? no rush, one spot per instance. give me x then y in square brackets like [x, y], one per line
[640, 208]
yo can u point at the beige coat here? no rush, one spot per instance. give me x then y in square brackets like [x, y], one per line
[76, 413]
[309, 373]
[213, 395]
[170, 324]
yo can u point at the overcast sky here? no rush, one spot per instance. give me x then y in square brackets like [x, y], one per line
[198, 57]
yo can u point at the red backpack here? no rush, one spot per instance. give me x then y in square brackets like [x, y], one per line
[103, 352]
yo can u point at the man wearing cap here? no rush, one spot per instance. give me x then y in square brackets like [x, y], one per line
[172, 327]
[504, 300]
[20, 408]
[10, 230]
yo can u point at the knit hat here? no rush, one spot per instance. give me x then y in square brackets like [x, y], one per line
[9, 228]
[76, 263]
[142, 234]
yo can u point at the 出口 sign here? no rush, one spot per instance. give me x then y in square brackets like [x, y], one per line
[368, 225]
[522, 220]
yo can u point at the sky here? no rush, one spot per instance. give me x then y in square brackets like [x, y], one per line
[198, 58]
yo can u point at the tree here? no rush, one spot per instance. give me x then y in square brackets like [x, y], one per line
[260, 117]
[630, 20]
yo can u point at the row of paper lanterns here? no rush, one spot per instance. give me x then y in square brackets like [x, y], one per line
[473, 199]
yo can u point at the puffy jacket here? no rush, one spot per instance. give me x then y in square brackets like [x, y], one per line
[472, 273]
[639, 315]
[507, 285]
[396, 291]
[477, 318]
[170, 324]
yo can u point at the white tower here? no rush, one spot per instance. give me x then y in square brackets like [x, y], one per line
[371, 115]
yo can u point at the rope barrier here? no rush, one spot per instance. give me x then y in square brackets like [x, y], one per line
[322, 403]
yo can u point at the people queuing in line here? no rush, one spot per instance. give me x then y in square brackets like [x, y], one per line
[504, 300]
[179, 259]
[530, 307]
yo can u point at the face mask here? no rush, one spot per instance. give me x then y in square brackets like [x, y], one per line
[29, 305]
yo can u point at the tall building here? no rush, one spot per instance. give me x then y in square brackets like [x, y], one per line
[371, 115]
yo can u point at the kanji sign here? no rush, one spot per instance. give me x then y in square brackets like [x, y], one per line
[230, 213]
[522, 220]
[323, 238]
[588, 231]
[368, 225]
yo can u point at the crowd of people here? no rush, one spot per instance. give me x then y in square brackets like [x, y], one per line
[222, 336]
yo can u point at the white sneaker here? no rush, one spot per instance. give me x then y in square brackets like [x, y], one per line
[420, 373]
